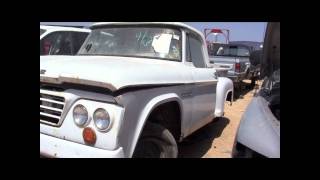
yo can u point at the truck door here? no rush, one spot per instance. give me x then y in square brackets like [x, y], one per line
[204, 88]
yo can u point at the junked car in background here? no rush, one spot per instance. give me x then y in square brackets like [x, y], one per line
[259, 130]
[57, 40]
[236, 57]
[133, 90]
[232, 55]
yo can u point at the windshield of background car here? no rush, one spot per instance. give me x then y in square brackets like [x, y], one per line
[42, 31]
[148, 42]
[230, 50]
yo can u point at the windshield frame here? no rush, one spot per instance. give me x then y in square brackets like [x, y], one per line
[174, 28]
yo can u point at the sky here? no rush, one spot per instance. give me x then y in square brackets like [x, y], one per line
[239, 31]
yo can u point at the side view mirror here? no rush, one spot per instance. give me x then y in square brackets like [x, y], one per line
[256, 57]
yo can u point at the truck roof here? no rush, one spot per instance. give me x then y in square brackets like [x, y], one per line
[61, 28]
[252, 44]
[177, 24]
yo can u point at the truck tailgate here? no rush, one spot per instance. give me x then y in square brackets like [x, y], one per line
[224, 62]
[229, 62]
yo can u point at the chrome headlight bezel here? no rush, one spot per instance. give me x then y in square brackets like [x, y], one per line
[102, 119]
[80, 122]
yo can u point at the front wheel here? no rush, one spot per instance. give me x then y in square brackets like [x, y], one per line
[156, 142]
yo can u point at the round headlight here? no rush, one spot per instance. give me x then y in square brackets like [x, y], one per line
[101, 119]
[80, 115]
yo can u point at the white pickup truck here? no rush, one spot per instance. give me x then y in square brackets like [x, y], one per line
[133, 90]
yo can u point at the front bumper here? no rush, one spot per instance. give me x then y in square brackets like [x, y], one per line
[59, 148]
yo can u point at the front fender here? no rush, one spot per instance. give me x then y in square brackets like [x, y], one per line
[224, 87]
[144, 114]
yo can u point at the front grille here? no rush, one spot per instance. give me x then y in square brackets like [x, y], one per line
[51, 107]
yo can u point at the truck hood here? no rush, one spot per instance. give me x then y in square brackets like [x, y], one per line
[271, 50]
[111, 72]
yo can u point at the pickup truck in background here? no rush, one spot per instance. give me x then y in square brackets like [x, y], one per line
[236, 58]
[133, 90]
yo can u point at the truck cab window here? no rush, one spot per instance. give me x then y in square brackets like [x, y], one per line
[242, 51]
[195, 50]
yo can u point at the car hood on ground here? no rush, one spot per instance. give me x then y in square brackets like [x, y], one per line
[259, 130]
[111, 72]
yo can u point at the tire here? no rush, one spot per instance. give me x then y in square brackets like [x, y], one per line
[156, 142]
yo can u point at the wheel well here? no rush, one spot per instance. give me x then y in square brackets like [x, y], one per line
[229, 96]
[169, 116]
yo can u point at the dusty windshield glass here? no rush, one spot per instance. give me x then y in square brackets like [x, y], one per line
[229, 50]
[149, 42]
[42, 31]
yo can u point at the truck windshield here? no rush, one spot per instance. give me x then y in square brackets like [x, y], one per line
[148, 42]
[42, 31]
[229, 50]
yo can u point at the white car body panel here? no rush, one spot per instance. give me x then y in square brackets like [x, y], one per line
[225, 86]
[101, 71]
[59, 148]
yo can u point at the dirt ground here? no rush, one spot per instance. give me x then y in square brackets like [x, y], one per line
[216, 139]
